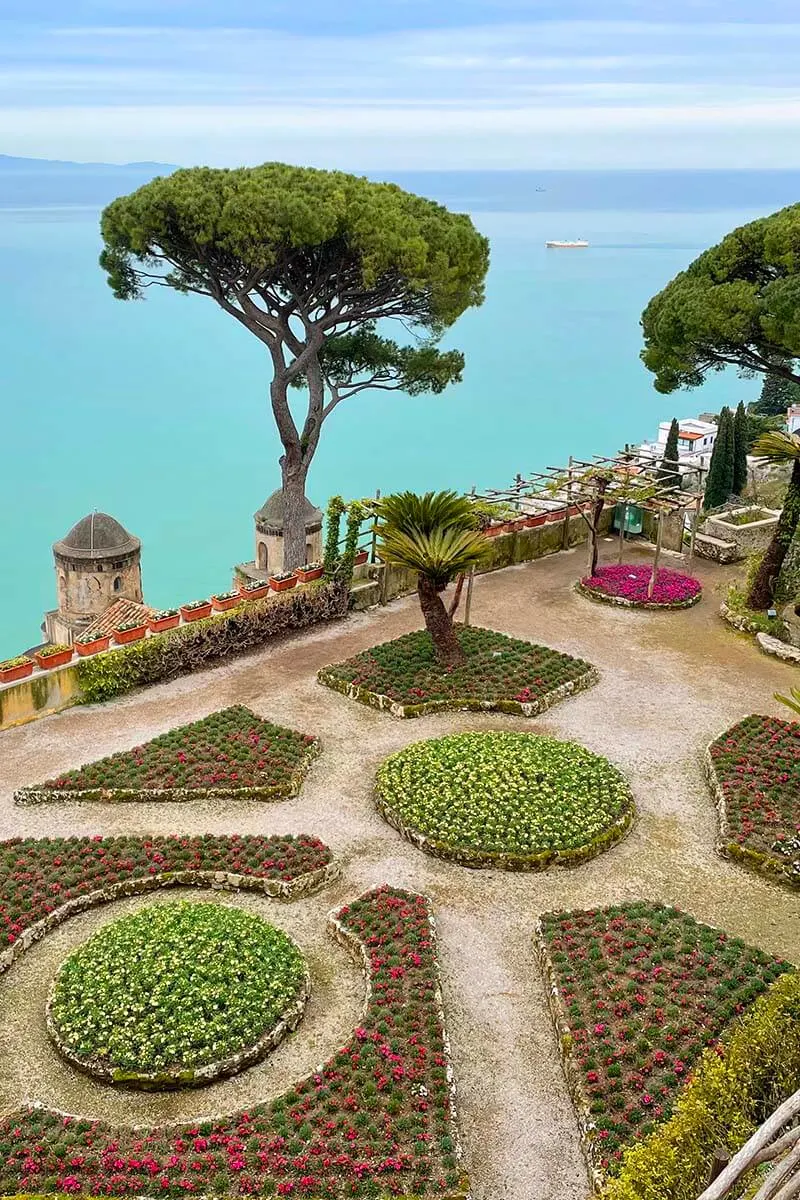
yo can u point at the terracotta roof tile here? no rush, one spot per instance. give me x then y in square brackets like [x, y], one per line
[117, 614]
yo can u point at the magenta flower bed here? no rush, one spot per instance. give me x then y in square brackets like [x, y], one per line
[626, 582]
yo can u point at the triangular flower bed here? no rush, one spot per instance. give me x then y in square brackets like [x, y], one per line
[378, 1119]
[637, 991]
[754, 773]
[231, 754]
[500, 673]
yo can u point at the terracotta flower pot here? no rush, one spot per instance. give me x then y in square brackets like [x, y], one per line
[254, 593]
[160, 624]
[535, 521]
[574, 510]
[97, 644]
[494, 530]
[308, 576]
[223, 603]
[556, 516]
[196, 614]
[361, 557]
[123, 636]
[20, 671]
[48, 661]
[282, 585]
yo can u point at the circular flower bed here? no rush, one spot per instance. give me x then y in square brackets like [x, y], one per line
[176, 995]
[513, 800]
[625, 584]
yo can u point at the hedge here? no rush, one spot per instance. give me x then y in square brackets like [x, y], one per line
[734, 1089]
[195, 645]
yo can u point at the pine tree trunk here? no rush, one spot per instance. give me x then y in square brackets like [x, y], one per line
[293, 476]
[439, 624]
[762, 591]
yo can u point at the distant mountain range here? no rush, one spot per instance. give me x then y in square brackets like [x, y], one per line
[48, 183]
[9, 163]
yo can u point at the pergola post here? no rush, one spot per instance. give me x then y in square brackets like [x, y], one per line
[622, 525]
[468, 600]
[651, 585]
[565, 531]
[695, 523]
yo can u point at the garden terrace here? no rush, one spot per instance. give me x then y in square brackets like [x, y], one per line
[637, 991]
[232, 754]
[377, 1118]
[754, 773]
[511, 800]
[666, 688]
[500, 673]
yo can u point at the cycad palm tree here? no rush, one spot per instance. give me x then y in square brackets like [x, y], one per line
[777, 448]
[791, 701]
[436, 536]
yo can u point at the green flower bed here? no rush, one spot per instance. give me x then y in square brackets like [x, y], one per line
[500, 673]
[229, 753]
[513, 800]
[158, 994]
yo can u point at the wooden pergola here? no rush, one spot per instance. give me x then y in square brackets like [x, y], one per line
[593, 484]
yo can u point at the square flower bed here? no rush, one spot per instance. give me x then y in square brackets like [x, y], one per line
[637, 991]
[501, 673]
[377, 1119]
[230, 754]
[754, 772]
[44, 880]
[627, 584]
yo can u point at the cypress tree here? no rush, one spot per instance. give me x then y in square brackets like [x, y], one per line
[740, 448]
[720, 471]
[668, 473]
[777, 393]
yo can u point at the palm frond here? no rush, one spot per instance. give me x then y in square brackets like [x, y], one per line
[778, 446]
[791, 701]
[409, 512]
[440, 555]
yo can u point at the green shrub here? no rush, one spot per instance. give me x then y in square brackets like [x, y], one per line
[732, 1091]
[195, 645]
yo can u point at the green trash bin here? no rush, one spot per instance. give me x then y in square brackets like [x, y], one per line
[633, 517]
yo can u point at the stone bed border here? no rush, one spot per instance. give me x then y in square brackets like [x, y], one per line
[477, 858]
[524, 708]
[30, 796]
[171, 1078]
[277, 889]
[563, 1033]
[358, 951]
[644, 605]
[761, 862]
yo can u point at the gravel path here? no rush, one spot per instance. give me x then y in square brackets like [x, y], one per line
[669, 684]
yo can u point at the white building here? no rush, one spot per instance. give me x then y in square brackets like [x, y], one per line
[695, 442]
[793, 419]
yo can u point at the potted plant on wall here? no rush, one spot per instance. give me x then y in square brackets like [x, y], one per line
[254, 589]
[309, 572]
[12, 669]
[195, 610]
[91, 643]
[130, 631]
[53, 656]
[281, 581]
[222, 601]
[165, 618]
[361, 556]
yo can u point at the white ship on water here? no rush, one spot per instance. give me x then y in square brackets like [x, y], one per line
[578, 244]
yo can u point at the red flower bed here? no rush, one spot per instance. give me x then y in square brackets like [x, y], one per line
[625, 582]
[376, 1120]
[642, 989]
[756, 767]
[39, 875]
[232, 749]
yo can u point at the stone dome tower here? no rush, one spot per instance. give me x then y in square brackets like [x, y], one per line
[269, 533]
[96, 563]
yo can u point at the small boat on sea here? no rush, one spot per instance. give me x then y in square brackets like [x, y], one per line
[578, 244]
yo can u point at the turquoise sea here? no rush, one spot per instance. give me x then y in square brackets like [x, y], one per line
[156, 411]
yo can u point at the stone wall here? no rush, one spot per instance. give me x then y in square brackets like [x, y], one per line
[752, 538]
[38, 695]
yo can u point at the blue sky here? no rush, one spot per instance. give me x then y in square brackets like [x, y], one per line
[404, 83]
